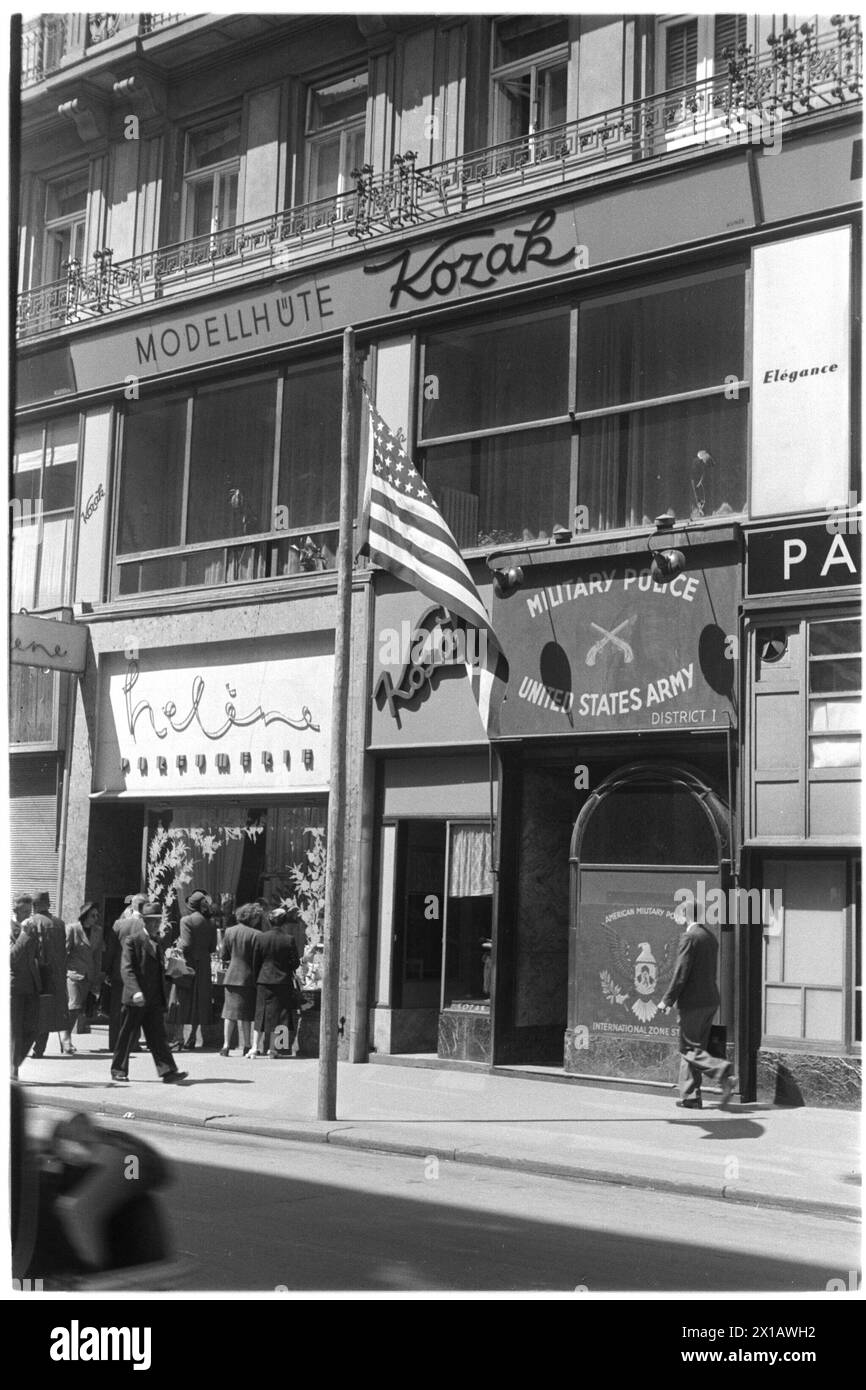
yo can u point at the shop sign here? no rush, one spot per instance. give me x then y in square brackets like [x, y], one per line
[625, 962]
[823, 555]
[498, 255]
[602, 648]
[48, 643]
[255, 726]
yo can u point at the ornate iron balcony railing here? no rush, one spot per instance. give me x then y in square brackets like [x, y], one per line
[751, 104]
[47, 40]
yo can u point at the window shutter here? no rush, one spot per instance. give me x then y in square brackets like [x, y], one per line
[681, 54]
[729, 30]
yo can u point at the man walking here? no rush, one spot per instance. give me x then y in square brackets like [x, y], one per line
[144, 998]
[129, 921]
[694, 991]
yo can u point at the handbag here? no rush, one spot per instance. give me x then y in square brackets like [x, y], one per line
[176, 967]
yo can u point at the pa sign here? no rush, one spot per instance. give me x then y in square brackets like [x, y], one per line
[818, 556]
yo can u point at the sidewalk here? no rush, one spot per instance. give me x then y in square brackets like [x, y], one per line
[799, 1160]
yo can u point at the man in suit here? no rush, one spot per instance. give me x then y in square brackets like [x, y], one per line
[129, 921]
[144, 998]
[24, 980]
[53, 1004]
[694, 991]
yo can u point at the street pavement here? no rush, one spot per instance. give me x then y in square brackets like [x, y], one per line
[804, 1159]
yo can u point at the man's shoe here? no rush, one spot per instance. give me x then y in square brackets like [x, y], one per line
[690, 1105]
[119, 1075]
[728, 1083]
[171, 1078]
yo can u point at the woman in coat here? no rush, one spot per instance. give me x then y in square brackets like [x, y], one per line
[192, 1002]
[236, 951]
[275, 960]
[83, 961]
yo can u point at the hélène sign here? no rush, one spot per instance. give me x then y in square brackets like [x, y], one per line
[598, 647]
[497, 255]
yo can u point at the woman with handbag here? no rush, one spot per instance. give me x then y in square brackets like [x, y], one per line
[236, 951]
[275, 960]
[83, 961]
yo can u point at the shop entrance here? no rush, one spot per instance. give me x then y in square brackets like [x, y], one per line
[648, 835]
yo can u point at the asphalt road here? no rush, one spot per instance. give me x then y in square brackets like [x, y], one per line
[254, 1214]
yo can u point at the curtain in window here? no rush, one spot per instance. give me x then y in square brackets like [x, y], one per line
[232, 462]
[54, 561]
[221, 873]
[470, 873]
[511, 488]
[25, 552]
[310, 462]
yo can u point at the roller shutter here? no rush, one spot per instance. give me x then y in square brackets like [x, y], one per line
[34, 784]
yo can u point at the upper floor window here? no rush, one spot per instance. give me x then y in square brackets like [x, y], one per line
[336, 125]
[530, 75]
[230, 482]
[65, 218]
[44, 469]
[517, 442]
[211, 167]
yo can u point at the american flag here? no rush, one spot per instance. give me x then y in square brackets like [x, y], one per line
[407, 534]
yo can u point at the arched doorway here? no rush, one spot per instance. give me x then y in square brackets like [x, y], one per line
[649, 831]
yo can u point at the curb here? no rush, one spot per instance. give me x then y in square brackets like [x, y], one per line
[343, 1136]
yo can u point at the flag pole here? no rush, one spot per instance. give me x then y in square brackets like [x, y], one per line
[335, 845]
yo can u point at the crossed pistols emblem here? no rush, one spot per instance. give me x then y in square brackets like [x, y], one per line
[611, 637]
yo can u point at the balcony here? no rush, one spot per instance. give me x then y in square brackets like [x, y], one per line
[753, 103]
[49, 41]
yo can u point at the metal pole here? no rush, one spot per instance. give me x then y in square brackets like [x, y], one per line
[327, 1104]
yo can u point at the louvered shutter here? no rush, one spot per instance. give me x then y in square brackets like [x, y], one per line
[729, 30]
[33, 800]
[681, 54]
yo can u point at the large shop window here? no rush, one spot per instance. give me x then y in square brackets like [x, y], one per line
[654, 420]
[231, 483]
[444, 904]
[810, 951]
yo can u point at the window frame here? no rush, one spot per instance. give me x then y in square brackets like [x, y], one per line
[544, 60]
[316, 137]
[215, 173]
[850, 986]
[633, 289]
[269, 540]
[54, 228]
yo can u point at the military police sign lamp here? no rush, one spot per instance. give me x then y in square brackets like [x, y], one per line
[665, 563]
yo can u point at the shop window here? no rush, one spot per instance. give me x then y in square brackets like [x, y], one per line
[65, 220]
[530, 79]
[336, 125]
[44, 471]
[444, 921]
[210, 177]
[212, 492]
[808, 958]
[655, 420]
[805, 740]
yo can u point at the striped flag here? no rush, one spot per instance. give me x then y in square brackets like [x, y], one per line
[406, 534]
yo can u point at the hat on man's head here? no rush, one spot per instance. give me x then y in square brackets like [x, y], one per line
[41, 899]
[196, 899]
[86, 909]
[23, 900]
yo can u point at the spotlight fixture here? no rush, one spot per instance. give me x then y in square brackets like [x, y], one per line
[507, 580]
[665, 563]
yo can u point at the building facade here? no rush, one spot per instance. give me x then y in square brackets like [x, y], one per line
[602, 272]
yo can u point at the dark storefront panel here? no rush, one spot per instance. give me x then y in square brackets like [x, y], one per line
[34, 785]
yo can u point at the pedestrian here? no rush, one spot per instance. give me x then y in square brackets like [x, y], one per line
[24, 981]
[144, 997]
[191, 1003]
[236, 951]
[694, 991]
[83, 962]
[275, 960]
[129, 918]
[53, 1010]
